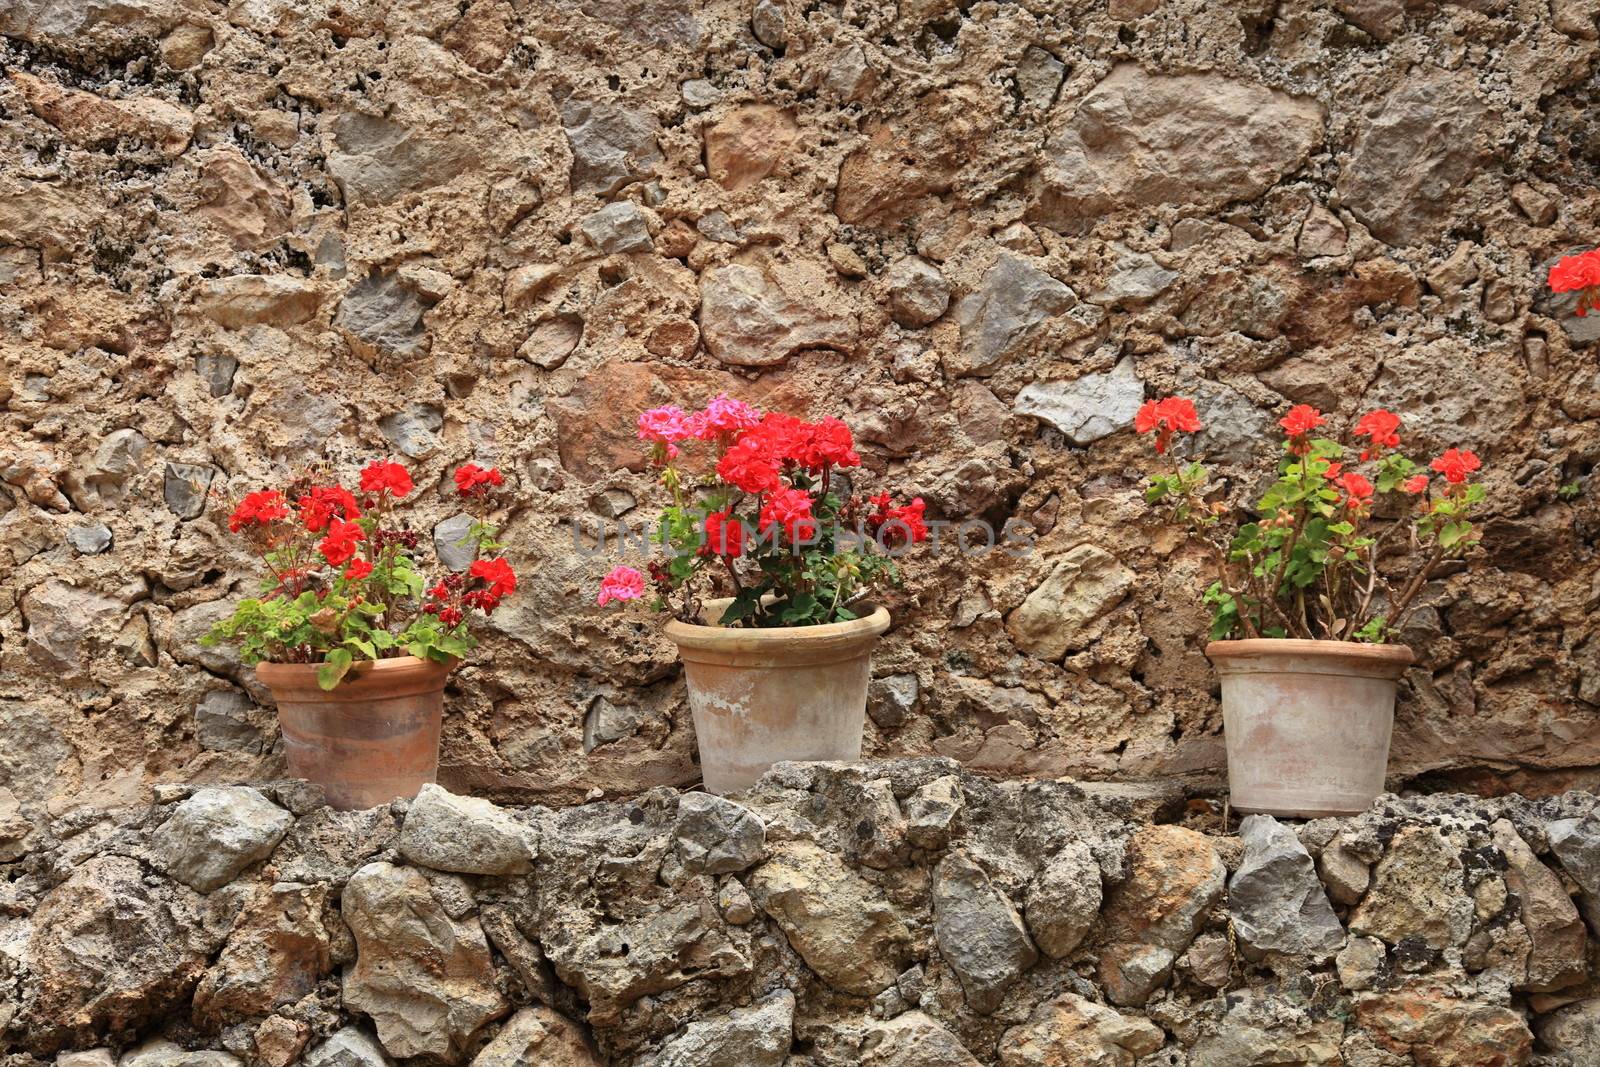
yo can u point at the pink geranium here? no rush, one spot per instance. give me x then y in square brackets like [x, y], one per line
[623, 583]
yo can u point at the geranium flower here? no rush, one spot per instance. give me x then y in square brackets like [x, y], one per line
[473, 480]
[1301, 420]
[790, 509]
[724, 534]
[749, 466]
[722, 415]
[340, 543]
[829, 442]
[623, 583]
[1357, 490]
[1417, 483]
[382, 476]
[358, 569]
[907, 522]
[1382, 428]
[1456, 464]
[1580, 274]
[324, 504]
[1166, 417]
[497, 574]
[261, 508]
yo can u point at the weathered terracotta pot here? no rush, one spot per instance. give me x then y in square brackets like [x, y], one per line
[763, 696]
[1307, 723]
[370, 739]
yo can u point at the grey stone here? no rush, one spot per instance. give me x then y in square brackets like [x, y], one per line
[90, 540]
[613, 503]
[96, 1057]
[66, 624]
[934, 813]
[979, 932]
[1039, 76]
[413, 430]
[381, 318]
[426, 979]
[1064, 900]
[466, 835]
[1136, 278]
[159, 1053]
[350, 1047]
[218, 832]
[119, 458]
[851, 76]
[749, 319]
[1576, 844]
[715, 226]
[1258, 1030]
[87, 28]
[918, 293]
[766, 22]
[184, 488]
[1345, 874]
[1234, 428]
[1002, 316]
[733, 900]
[1555, 932]
[1088, 408]
[1209, 961]
[717, 836]
[619, 227]
[377, 160]
[699, 93]
[222, 722]
[892, 698]
[1275, 899]
[1409, 163]
[914, 1039]
[1573, 1030]
[611, 145]
[758, 1036]
[217, 372]
[453, 544]
[606, 722]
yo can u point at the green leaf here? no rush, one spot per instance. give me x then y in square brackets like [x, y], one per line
[334, 668]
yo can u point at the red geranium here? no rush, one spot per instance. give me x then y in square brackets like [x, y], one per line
[1456, 464]
[381, 476]
[749, 465]
[324, 504]
[358, 569]
[1166, 417]
[260, 508]
[1579, 274]
[1357, 490]
[1301, 420]
[906, 523]
[790, 509]
[473, 480]
[1417, 483]
[1382, 427]
[340, 543]
[724, 535]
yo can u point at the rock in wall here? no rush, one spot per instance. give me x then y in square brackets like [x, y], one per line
[889, 914]
[235, 238]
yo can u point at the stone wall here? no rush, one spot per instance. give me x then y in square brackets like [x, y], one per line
[238, 237]
[899, 914]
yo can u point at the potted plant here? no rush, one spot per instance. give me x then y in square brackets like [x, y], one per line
[350, 634]
[769, 568]
[1310, 589]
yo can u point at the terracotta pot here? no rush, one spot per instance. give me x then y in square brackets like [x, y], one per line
[1307, 723]
[764, 696]
[370, 739]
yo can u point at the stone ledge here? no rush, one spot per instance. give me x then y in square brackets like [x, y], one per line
[895, 914]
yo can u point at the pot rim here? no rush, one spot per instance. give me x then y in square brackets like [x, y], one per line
[711, 635]
[414, 673]
[1357, 651]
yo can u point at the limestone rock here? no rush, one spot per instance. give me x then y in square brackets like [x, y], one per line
[1061, 614]
[749, 144]
[1070, 1031]
[1574, 1030]
[903, 162]
[748, 318]
[918, 293]
[86, 119]
[766, 22]
[452, 541]
[1135, 278]
[185, 487]
[1003, 316]
[537, 1035]
[840, 924]
[1440, 1029]
[250, 208]
[758, 1036]
[377, 160]
[381, 318]
[914, 1040]
[159, 1053]
[717, 836]
[1576, 844]
[279, 1040]
[1275, 900]
[619, 227]
[87, 28]
[1321, 234]
[612, 145]
[1345, 874]
[1361, 963]
[1141, 140]
[1418, 890]
[1172, 880]
[467, 835]
[1039, 76]
[1412, 158]
[276, 952]
[65, 622]
[425, 978]
[1556, 957]
[1088, 408]
[216, 833]
[892, 698]
[1264, 1029]
[110, 953]
[979, 932]
[1064, 900]
[350, 1047]
[274, 299]
[934, 813]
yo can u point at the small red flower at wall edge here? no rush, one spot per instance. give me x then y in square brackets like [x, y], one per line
[1578, 274]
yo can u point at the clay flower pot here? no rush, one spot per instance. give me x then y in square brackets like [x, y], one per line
[1307, 723]
[373, 737]
[766, 695]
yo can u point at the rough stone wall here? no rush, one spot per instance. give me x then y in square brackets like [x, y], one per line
[235, 238]
[897, 914]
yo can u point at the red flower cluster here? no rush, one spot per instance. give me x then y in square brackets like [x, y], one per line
[382, 476]
[897, 525]
[339, 546]
[790, 509]
[1166, 417]
[1382, 428]
[724, 535]
[1579, 274]
[499, 581]
[1301, 420]
[1456, 464]
[1357, 491]
[473, 480]
[261, 508]
[325, 504]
